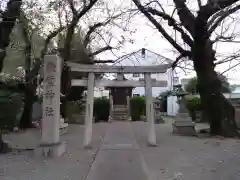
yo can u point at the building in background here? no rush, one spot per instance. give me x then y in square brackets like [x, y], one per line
[144, 57]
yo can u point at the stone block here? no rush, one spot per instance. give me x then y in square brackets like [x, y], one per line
[185, 130]
[50, 150]
[159, 120]
[76, 119]
[183, 125]
[63, 128]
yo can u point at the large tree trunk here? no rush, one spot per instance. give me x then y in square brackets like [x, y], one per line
[30, 90]
[9, 17]
[219, 111]
[4, 148]
[26, 119]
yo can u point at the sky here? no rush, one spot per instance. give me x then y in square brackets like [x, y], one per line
[147, 37]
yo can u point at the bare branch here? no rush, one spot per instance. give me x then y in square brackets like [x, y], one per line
[90, 31]
[172, 22]
[94, 27]
[71, 27]
[213, 6]
[103, 61]
[230, 68]
[100, 51]
[222, 15]
[185, 15]
[159, 27]
[73, 9]
[199, 3]
[220, 38]
[177, 60]
[39, 61]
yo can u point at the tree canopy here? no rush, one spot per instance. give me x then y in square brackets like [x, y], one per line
[191, 86]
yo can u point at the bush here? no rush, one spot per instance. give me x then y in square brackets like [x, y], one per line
[193, 105]
[138, 107]
[101, 109]
[74, 107]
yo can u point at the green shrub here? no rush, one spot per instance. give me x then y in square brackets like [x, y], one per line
[101, 109]
[74, 107]
[193, 105]
[138, 107]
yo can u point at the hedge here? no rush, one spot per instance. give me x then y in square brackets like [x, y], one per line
[193, 105]
[101, 109]
[138, 107]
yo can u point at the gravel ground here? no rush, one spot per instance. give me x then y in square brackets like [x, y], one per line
[175, 158]
[73, 165]
[188, 158]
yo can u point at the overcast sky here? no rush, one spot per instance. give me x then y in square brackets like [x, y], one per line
[147, 37]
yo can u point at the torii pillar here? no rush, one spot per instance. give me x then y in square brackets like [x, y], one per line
[89, 112]
[150, 110]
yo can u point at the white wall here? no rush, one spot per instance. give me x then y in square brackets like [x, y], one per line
[172, 106]
[100, 92]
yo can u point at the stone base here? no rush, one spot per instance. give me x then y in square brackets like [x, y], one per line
[159, 120]
[183, 125]
[152, 145]
[50, 150]
[76, 119]
[63, 128]
[186, 128]
[87, 147]
[109, 119]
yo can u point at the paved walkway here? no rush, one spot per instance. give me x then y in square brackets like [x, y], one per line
[119, 157]
[118, 152]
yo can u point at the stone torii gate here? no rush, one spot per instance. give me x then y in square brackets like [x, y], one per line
[50, 135]
[147, 83]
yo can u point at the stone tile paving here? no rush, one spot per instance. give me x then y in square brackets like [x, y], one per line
[73, 165]
[119, 157]
[188, 158]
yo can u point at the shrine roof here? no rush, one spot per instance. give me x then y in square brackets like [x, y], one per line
[142, 57]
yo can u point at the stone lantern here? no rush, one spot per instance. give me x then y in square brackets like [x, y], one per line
[183, 123]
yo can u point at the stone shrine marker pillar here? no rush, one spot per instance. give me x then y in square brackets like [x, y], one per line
[50, 135]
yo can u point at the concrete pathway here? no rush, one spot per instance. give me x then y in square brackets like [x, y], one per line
[119, 157]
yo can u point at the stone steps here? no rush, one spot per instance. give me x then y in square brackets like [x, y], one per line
[119, 112]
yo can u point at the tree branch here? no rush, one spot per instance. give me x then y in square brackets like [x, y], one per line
[219, 38]
[199, 3]
[106, 48]
[159, 27]
[214, 6]
[172, 22]
[71, 27]
[185, 15]
[73, 9]
[39, 61]
[174, 64]
[90, 31]
[94, 27]
[103, 61]
[223, 15]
